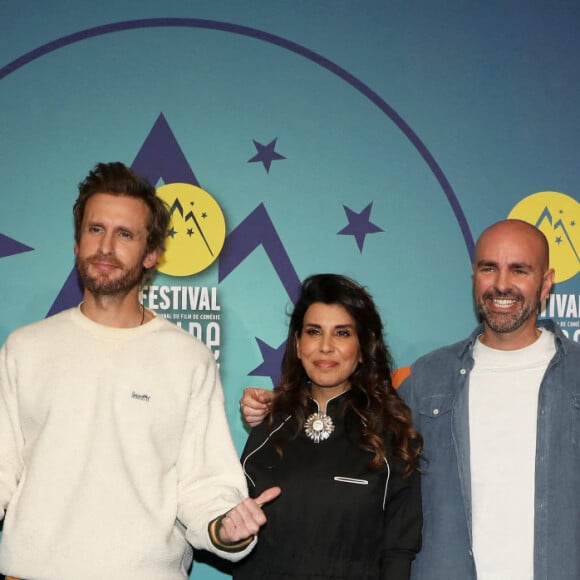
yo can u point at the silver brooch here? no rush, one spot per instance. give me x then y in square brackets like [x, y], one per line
[318, 427]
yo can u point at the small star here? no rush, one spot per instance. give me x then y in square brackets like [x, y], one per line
[266, 154]
[359, 225]
[558, 240]
[190, 232]
[573, 223]
[171, 232]
[561, 211]
[192, 203]
[272, 361]
[204, 215]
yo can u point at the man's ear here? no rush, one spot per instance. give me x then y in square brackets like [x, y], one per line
[547, 283]
[76, 250]
[150, 260]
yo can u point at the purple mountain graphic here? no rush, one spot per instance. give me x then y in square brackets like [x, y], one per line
[161, 157]
[257, 229]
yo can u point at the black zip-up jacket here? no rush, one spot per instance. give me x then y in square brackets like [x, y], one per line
[335, 519]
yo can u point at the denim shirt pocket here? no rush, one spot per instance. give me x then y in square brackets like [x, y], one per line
[435, 418]
[575, 427]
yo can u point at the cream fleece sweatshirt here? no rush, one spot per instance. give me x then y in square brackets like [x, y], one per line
[115, 451]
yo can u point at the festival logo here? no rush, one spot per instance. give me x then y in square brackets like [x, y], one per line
[557, 215]
[197, 230]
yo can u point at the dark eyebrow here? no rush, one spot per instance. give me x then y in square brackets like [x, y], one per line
[512, 265]
[485, 263]
[315, 325]
[120, 228]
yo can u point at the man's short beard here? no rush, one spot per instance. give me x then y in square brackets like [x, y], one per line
[101, 286]
[504, 323]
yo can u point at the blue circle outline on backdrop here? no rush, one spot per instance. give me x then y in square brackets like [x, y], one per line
[279, 41]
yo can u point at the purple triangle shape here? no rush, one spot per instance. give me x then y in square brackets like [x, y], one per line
[161, 157]
[70, 294]
[10, 247]
[258, 230]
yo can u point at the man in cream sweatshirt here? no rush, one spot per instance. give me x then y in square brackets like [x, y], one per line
[115, 452]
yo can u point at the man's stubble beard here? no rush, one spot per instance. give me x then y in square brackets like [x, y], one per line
[504, 323]
[121, 285]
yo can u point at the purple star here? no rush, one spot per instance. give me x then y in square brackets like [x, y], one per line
[272, 361]
[359, 225]
[266, 154]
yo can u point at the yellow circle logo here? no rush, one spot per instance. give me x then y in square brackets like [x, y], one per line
[197, 229]
[557, 216]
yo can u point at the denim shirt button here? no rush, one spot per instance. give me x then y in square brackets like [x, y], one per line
[462, 371]
[435, 411]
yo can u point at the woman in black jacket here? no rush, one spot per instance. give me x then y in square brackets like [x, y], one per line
[340, 443]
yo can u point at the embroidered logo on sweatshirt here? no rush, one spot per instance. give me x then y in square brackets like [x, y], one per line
[140, 397]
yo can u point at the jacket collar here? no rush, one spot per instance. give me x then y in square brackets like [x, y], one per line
[547, 323]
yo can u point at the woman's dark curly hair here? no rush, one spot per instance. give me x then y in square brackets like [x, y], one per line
[371, 396]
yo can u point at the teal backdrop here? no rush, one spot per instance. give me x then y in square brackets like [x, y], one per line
[375, 139]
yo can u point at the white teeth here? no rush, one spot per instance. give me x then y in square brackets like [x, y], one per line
[504, 302]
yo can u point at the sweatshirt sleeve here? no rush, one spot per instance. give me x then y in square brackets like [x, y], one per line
[210, 478]
[10, 434]
[404, 522]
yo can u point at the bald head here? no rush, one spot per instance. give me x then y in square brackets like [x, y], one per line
[518, 233]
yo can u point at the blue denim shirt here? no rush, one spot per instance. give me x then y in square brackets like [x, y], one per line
[437, 392]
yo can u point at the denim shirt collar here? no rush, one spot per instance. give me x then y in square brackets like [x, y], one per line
[547, 323]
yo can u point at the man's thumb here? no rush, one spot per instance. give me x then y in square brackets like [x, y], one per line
[268, 495]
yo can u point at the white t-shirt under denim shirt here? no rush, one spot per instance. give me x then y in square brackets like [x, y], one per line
[503, 406]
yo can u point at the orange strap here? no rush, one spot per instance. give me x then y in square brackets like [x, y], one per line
[399, 375]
